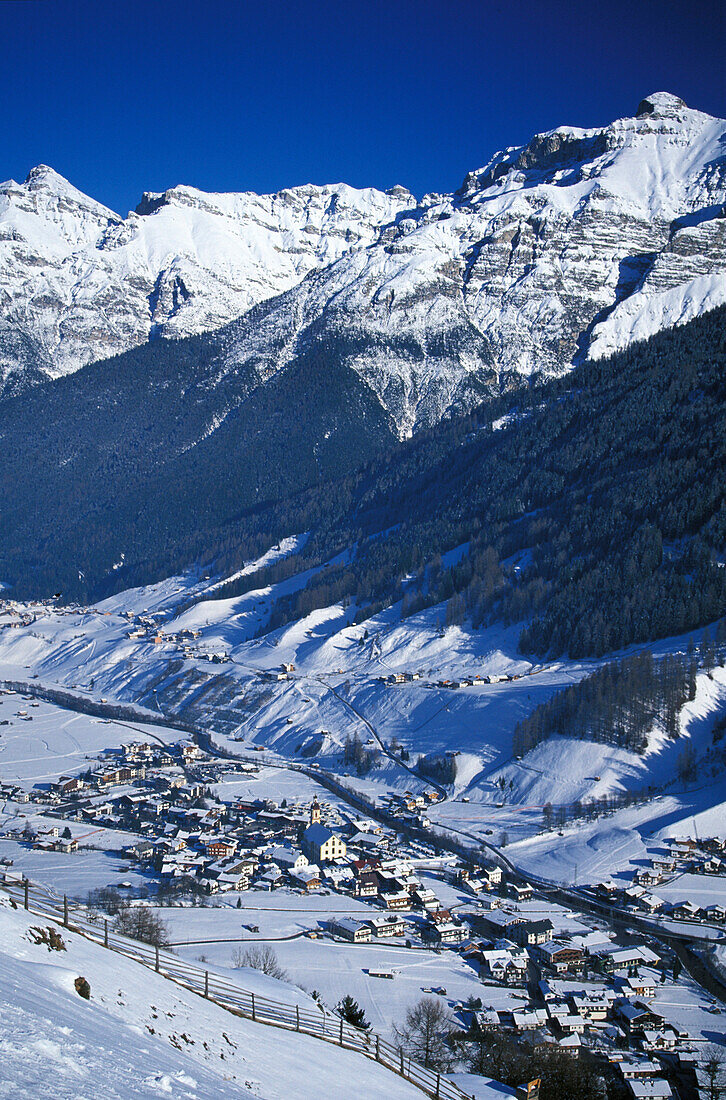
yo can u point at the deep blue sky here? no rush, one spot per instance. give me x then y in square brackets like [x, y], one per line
[124, 97]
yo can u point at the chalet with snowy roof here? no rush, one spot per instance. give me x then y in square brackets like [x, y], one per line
[66, 784]
[651, 903]
[446, 933]
[390, 925]
[309, 878]
[532, 933]
[561, 957]
[638, 987]
[635, 1016]
[142, 849]
[290, 859]
[220, 848]
[499, 922]
[572, 1024]
[366, 884]
[660, 1039]
[591, 1007]
[647, 876]
[612, 958]
[352, 930]
[684, 910]
[339, 877]
[399, 900]
[272, 877]
[530, 1019]
[487, 1019]
[521, 892]
[638, 1069]
[425, 898]
[655, 1088]
[506, 963]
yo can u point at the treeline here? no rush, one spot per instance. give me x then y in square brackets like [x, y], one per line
[621, 702]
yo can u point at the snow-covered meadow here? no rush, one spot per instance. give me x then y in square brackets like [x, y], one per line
[55, 1044]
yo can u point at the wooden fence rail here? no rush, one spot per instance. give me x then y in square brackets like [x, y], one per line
[323, 1024]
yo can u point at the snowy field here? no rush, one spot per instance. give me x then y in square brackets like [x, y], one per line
[57, 741]
[335, 969]
[77, 872]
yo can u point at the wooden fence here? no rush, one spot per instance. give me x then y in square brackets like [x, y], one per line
[318, 1022]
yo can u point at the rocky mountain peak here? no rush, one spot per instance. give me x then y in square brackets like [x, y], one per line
[661, 105]
[150, 203]
[44, 176]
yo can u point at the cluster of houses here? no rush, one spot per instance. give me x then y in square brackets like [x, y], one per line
[399, 678]
[146, 628]
[395, 678]
[680, 855]
[614, 1017]
[411, 807]
[14, 617]
[132, 763]
[189, 838]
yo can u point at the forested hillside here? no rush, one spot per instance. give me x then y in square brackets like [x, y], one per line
[620, 703]
[591, 506]
[597, 511]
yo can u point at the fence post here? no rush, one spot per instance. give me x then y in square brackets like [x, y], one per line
[105, 933]
[156, 958]
[206, 983]
[65, 911]
[341, 1030]
[401, 1054]
[253, 1005]
[378, 1048]
[438, 1085]
[26, 884]
[297, 1017]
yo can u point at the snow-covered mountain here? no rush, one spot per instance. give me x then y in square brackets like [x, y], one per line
[570, 246]
[79, 283]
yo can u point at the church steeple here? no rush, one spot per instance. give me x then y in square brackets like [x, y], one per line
[315, 812]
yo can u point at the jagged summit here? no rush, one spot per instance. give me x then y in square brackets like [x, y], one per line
[661, 105]
[44, 180]
[44, 176]
[567, 246]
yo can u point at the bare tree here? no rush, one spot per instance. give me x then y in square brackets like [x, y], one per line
[142, 923]
[260, 957]
[425, 1034]
[714, 1070]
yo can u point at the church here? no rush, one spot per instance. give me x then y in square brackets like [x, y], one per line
[320, 844]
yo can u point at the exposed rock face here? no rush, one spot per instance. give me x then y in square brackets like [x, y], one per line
[573, 245]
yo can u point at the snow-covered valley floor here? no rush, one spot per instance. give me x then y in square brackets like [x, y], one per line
[229, 680]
